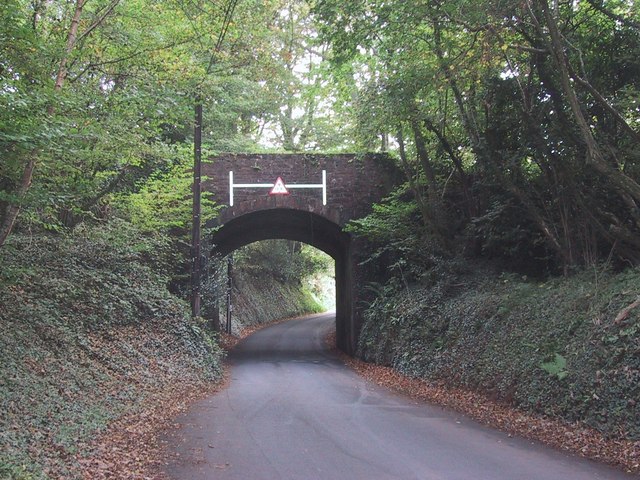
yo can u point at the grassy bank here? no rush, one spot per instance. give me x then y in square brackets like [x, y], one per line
[275, 279]
[95, 347]
[90, 334]
[259, 299]
[568, 348]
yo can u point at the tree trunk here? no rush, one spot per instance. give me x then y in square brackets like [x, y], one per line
[623, 184]
[13, 209]
[487, 156]
[71, 43]
[423, 155]
[424, 213]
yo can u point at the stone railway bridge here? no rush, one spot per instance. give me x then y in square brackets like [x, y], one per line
[324, 192]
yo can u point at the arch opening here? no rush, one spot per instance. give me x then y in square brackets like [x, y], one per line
[306, 227]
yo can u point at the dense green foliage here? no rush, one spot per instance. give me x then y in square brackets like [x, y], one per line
[561, 347]
[89, 329]
[517, 127]
[96, 148]
[516, 123]
[271, 279]
[97, 102]
[288, 261]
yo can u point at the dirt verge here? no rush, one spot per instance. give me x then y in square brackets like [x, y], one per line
[572, 438]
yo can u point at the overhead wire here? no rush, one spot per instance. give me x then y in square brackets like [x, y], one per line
[226, 23]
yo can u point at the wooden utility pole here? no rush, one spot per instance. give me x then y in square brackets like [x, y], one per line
[229, 290]
[196, 264]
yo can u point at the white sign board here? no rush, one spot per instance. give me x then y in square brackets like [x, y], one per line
[279, 187]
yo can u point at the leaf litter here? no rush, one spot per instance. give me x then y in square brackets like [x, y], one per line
[569, 437]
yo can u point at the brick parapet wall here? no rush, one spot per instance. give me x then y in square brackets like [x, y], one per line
[354, 183]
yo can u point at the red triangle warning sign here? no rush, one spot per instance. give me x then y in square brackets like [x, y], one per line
[279, 188]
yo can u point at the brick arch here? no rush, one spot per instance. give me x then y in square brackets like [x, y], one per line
[353, 184]
[302, 204]
[283, 223]
[303, 226]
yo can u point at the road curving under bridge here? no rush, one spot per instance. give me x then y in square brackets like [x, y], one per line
[293, 410]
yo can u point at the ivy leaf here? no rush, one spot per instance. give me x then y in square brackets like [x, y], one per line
[556, 367]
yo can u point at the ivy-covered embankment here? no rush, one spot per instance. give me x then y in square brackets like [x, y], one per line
[568, 348]
[89, 333]
[97, 353]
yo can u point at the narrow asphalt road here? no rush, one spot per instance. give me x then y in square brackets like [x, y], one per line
[294, 411]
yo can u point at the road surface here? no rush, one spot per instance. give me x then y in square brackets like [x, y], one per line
[294, 411]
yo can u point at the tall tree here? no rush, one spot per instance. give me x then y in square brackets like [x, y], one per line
[96, 91]
[510, 94]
